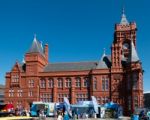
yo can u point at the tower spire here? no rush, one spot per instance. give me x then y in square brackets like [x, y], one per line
[124, 20]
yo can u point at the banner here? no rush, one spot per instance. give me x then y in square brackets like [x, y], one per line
[67, 104]
[95, 104]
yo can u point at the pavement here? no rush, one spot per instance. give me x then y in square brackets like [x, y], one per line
[121, 118]
[50, 118]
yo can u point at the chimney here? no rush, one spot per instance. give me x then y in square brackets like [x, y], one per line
[46, 51]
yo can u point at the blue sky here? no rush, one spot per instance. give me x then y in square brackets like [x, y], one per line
[76, 30]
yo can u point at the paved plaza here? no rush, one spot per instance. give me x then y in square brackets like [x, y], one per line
[122, 118]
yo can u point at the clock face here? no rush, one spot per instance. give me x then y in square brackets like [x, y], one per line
[125, 46]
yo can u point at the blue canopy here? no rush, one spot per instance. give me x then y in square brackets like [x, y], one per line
[111, 105]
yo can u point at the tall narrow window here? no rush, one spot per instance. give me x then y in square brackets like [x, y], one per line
[105, 84]
[31, 83]
[78, 82]
[60, 82]
[11, 93]
[30, 93]
[43, 83]
[129, 102]
[19, 93]
[135, 81]
[50, 83]
[95, 84]
[135, 101]
[86, 81]
[68, 82]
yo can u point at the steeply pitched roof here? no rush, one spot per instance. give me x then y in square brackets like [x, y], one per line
[36, 47]
[134, 55]
[124, 20]
[72, 66]
[102, 62]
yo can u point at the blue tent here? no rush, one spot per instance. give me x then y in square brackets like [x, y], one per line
[111, 105]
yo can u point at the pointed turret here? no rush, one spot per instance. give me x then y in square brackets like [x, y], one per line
[102, 64]
[134, 56]
[124, 20]
[36, 47]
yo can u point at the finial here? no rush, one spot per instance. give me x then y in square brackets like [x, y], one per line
[41, 44]
[35, 37]
[124, 20]
[23, 60]
[123, 11]
[104, 51]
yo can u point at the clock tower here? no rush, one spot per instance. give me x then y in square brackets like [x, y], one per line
[126, 69]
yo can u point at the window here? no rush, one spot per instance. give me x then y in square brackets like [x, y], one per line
[141, 101]
[50, 83]
[60, 82]
[68, 82]
[31, 83]
[105, 84]
[43, 83]
[15, 78]
[129, 102]
[30, 93]
[135, 81]
[78, 82]
[11, 93]
[45, 97]
[95, 85]
[19, 93]
[61, 97]
[86, 81]
[81, 97]
[135, 101]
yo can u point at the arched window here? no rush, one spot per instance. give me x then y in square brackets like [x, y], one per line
[42, 83]
[68, 82]
[78, 82]
[60, 82]
[50, 83]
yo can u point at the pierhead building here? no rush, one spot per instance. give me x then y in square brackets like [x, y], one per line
[117, 77]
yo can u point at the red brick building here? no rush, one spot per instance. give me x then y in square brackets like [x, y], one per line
[117, 77]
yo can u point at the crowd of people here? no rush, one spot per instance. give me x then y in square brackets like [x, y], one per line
[74, 114]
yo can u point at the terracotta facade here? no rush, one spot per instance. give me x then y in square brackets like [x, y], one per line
[116, 77]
